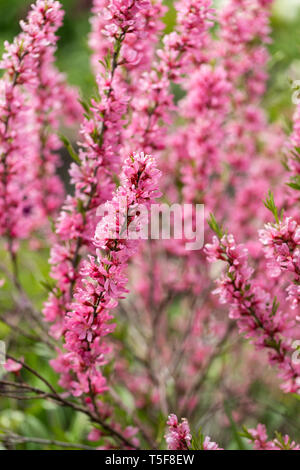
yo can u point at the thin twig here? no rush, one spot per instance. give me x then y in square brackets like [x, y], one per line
[17, 439]
[96, 418]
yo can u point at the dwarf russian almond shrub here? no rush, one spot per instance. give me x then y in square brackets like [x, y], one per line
[132, 325]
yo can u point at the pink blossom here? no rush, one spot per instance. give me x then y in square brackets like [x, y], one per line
[250, 305]
[260, 440]
[179, 436]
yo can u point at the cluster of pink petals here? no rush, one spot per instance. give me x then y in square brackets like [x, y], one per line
[261, 442]
[30, 88]
[153, 102]
[88, 320]
[251, 306]
[244, 23]
[142, 22]
[179, 435]
[99, 156]
[54, 100]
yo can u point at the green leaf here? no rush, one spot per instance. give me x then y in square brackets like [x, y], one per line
[48, 285]
[246, 434]
[234, 429]
[271, 206]
[70, 148]
[275, 306]
[294, 185]
[85, 106]
[218, 229]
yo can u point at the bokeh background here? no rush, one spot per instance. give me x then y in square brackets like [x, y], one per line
[46, 420]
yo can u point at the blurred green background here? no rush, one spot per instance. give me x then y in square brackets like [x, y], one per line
[37, 418]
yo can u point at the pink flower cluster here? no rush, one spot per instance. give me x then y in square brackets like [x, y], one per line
[140, 19]
[245, 23]
[88, 320]
[260, 440]
[99, 157]
[153, 102]
[179, 438]
[258, 318]
[30, 90]
[179, 435]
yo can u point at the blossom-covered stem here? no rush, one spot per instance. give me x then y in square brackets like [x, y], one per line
[179, 436]
[181, 50]
[86, 207]
[257, 316]
[243, 48]
[103, 283]
[13, 439]
[54, 102]
[5, 154]
[114, 64]
[142, 427]
[19, 209]
[99, 160]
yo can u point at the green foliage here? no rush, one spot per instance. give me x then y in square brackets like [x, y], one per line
[70, 148]
[271, 206]
[218, 229]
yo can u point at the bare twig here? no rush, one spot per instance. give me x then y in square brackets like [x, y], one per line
[94, 417]
[13, 438]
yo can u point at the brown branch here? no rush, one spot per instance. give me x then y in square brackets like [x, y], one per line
[13, 438]
[95, 418]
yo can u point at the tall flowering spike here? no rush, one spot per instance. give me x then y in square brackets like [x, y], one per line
[20, 208]
[251, 306]
[88, 320]
[179, 435]
[292, 152]
[244, 31]
[101, 139]
[244, 34]
[54, 101]
[194, 19]
[198, 148]
[181, 50]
